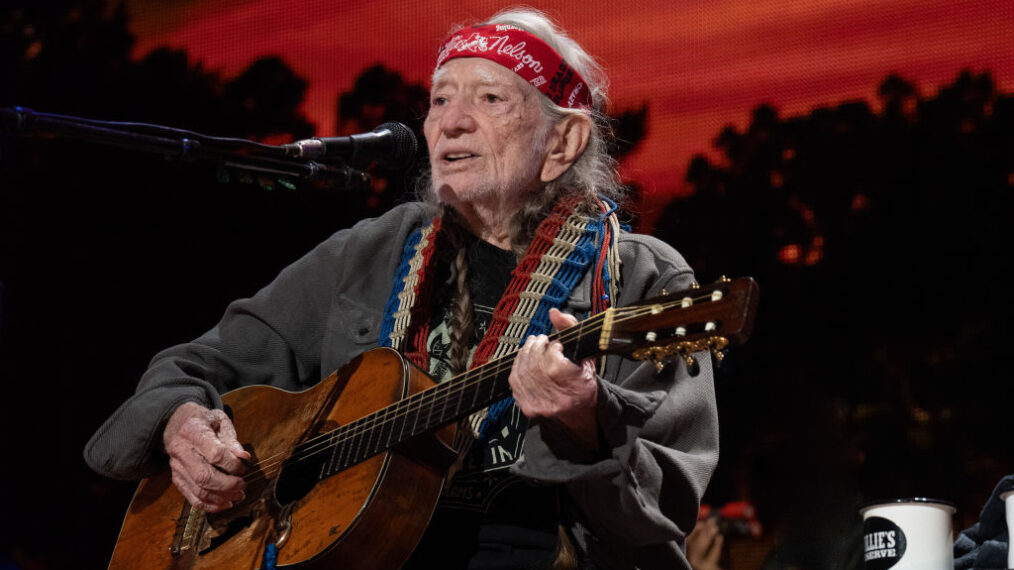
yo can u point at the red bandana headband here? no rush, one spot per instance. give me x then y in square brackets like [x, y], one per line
[524, 54]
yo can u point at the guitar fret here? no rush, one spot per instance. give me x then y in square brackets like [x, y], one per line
[465, 397]
[343, 455]
[429, 408]
[492, 389]
[328, 467]
[443, 404]
[381, 426]
[457, 405]
[475, 392]
[359, 443]
[397, 429]
[415, 422]
[454, 403]
[388, 423]
[445, 399]
[370, 445]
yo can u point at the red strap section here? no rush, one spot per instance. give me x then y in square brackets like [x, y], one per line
[544, 236]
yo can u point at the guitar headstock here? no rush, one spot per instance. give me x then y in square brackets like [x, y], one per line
[711, 317]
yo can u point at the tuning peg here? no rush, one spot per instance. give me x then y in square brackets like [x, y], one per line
[717, 346]
[693, 368]
[660, 359]
[659, 363]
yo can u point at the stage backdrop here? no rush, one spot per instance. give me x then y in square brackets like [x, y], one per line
[697, 66]
[856, 157]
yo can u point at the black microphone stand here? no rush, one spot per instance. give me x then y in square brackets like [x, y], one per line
[173, 143]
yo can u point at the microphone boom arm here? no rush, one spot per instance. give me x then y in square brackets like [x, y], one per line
[179, 144]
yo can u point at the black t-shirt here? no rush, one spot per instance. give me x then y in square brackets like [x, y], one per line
[486, 518]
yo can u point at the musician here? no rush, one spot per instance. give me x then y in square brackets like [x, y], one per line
[515, 235]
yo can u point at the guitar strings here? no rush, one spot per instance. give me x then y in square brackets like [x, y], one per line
[439, 394]
[442, 393]
[395, 411]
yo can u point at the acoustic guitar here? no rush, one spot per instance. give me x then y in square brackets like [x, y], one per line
[347, 474]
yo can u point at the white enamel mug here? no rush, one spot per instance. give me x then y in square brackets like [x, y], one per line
[1008, 501]
[908, 534]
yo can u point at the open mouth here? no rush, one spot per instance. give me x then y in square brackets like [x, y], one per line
[456, 156]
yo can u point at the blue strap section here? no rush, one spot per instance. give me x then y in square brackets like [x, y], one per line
[493, 414]
[566, 279]
[387, 325]
[613, 206]
[270, 557]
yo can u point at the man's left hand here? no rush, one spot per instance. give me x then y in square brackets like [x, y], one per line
[547, 385]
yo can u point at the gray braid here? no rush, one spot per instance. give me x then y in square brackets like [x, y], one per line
[462, 317]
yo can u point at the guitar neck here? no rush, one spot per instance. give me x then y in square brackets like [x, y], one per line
[660, 329]
[445, 403]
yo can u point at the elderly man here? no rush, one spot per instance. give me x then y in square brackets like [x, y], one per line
[591, 464]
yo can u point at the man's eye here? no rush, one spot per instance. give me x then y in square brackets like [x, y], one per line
[438, 101]
[491, 98]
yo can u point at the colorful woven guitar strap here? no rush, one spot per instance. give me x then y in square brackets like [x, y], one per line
[565, 245]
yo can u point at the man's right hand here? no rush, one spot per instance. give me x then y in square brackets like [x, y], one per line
[205, 457]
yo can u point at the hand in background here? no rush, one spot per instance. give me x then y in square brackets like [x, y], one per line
[704, 545]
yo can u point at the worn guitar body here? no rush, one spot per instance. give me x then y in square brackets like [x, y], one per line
[334, 522]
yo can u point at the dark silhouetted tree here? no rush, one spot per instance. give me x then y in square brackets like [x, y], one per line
[265, 95]
[378, 96]
[108, 255]
[880, 242]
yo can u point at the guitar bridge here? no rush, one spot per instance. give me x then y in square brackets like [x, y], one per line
[188, 528]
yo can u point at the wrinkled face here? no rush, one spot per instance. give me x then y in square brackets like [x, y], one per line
[486, 134]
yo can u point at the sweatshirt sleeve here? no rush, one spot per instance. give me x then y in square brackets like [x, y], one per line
[635, 502]
[274, 337]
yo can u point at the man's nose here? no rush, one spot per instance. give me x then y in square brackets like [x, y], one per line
[457, 118]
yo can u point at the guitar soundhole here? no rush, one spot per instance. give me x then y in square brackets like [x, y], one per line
[301, 472]
[222, 533]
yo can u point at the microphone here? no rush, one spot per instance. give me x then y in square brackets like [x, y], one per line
[392, 145]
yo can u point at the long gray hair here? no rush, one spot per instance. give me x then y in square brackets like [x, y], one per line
[594, 173]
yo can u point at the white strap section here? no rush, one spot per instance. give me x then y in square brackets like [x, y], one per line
[407, 296]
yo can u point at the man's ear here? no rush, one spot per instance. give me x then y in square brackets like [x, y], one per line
[567, 141]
